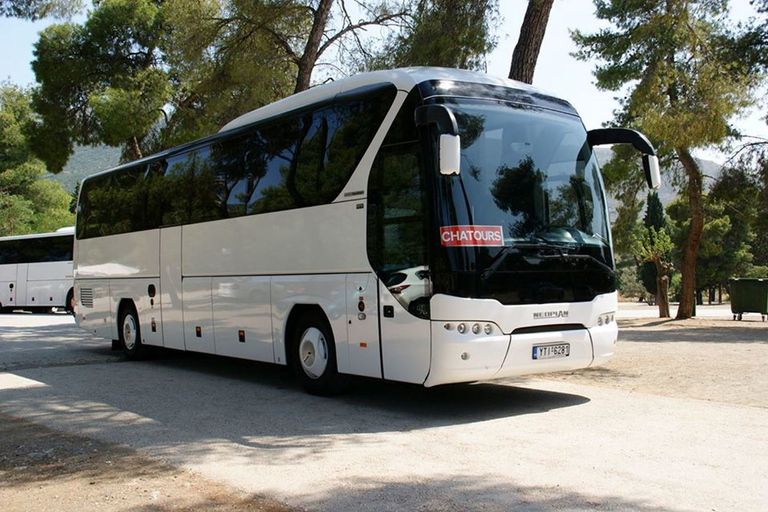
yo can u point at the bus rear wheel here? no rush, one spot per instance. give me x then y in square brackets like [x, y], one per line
[313, 356]
[69, 305]
[130, 334]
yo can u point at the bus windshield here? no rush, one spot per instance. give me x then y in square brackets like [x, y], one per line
[525, 219]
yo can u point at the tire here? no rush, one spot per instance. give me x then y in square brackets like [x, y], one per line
[130, 334]
[313, 356]
[69, 304]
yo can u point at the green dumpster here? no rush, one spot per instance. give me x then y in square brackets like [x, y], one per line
[749, 296]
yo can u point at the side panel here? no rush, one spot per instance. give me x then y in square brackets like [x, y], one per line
[170, 288]
[137, 291]
[318, 240]
[20, 290]
[198, 315]
[405, 342]
[48, 283]
[326, 291]
[94, 311]
[7, 285]
[126, 255]
[243, 304]
[363, 325]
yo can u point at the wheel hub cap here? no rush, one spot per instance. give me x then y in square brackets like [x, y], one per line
[313, 353]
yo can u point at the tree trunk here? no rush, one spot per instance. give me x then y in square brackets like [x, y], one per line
[529, 44]
[308, 59]
[693, 238]
[135, 150]
[662, 287]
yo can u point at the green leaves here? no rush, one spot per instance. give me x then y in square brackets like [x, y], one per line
[99, 82]
[28, 203]
[450, 33]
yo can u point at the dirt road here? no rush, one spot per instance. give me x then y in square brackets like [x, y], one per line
[75, 466]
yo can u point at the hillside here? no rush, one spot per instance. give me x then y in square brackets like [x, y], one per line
[85, 161]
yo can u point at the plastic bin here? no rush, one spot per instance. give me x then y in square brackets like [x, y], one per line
[749, 296]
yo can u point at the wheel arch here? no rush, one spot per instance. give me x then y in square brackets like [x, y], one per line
[121, 306]
[297, 312]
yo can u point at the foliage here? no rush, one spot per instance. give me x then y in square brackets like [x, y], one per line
[624, 180]
[100, 82]
[654, 218]
[37, 9]
[28, 203]
[220, 64]
[448, 33]
[628, 284]
[653, 245]
[683, 86]
[150, 74]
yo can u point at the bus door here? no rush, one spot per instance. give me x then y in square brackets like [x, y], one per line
[405, 329]
[363, 325]
[170, 288]
[20, 288]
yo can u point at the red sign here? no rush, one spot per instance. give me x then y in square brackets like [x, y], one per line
[474, 236]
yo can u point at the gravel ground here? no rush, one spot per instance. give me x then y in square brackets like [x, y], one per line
[708, 359]
[703, 358]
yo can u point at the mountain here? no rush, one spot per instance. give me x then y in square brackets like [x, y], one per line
[86, 160]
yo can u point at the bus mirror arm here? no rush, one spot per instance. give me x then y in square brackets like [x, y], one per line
[640, 142]
[450, 142]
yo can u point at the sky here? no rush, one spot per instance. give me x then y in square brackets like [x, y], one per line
[556, 71]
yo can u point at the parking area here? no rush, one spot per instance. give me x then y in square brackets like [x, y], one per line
[649, 431]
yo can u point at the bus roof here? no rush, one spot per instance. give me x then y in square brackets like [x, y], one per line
[404, 79]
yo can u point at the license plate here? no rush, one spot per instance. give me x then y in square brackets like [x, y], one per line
[551, 351]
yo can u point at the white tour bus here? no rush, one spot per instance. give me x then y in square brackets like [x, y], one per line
[420, 225]
[36, 271]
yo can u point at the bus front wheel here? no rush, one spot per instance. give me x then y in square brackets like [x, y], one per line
[130, 333]
[313, 356]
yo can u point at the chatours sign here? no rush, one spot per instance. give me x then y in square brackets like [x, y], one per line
[471, 236]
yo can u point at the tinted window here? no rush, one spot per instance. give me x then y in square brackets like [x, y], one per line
[297, 161]
[114, 203]
[190, 188]
[36, 250]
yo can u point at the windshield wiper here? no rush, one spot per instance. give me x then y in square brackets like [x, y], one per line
[570, 256]
[540, 244]
[558, 252]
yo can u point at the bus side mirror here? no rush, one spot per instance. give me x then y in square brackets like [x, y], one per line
[450, 143]
[652, 172]
[450, 155]
[640, 142]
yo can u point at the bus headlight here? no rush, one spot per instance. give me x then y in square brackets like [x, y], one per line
[606, 318]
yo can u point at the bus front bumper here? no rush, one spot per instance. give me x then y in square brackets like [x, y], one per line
[469, 356]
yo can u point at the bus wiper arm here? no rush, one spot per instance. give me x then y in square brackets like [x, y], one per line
[570, 256]
[539, 245]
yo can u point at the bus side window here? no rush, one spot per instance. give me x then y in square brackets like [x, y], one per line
[190, 190]
[228, 159]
